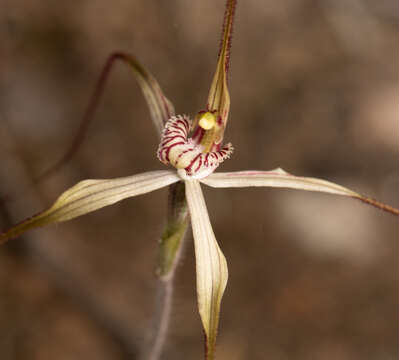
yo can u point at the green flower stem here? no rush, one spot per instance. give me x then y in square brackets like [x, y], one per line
[176, 227]
[171, 246]
[161, 319]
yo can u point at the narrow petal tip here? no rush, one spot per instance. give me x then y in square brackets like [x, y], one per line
[377, 204]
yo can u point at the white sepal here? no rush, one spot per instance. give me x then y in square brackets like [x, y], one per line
[211, 266]
[90, 195]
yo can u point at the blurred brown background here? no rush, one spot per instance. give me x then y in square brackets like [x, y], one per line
[315, 90]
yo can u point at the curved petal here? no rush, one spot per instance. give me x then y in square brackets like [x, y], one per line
[90, 195]
[161, 109]
[211, 266]
[280, 178]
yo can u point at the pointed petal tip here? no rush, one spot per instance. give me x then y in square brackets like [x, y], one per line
[280, 178]
[377, 204]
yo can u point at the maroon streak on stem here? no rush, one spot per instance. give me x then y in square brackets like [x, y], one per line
[227, 33]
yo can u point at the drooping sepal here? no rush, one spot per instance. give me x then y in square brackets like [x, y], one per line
[90, 195]
[211, 266]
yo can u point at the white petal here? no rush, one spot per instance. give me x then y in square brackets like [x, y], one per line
[211, 266]
[161, 109]
[91, 195]
[280, 178]
[274, 178]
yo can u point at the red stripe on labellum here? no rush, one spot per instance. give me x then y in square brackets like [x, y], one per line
[175, 136]
[168, 148]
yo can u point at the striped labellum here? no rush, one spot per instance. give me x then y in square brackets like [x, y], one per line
[186, 154]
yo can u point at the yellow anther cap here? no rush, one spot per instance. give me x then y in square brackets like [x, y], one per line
[207, 121]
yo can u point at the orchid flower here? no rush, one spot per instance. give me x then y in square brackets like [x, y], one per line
[195, 149]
